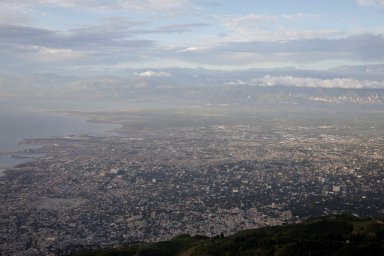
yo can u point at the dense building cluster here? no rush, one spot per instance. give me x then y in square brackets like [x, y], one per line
[171, 172]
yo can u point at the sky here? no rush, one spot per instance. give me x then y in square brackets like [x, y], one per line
[103, 37]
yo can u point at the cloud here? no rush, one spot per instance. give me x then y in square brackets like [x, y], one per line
[255, 27]
[135, 5]
[154, 5]
[367, 46]
[114, 41]
[193, 49]
[45, 54]
[371, 2]
[24, 47]
[310, 82]
[174, 28]
[256, 20]
[115, 33]
[13, 16]
[362, 72]
[152, 74]
[23, 59]
[364, 47]
[221, 41]
[77, 39]
[182, 27]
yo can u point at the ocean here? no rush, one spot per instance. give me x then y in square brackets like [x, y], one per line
[33, 119]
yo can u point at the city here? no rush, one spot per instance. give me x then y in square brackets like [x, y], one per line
[198, 171]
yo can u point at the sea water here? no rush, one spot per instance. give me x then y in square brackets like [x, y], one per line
[21, 120]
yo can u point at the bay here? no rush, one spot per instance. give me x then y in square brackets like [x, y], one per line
[32, 119]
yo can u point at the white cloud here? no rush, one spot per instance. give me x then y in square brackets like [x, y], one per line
[153, 74]
[310, 82]
[193, 49]
[46, 54]
[371, 2]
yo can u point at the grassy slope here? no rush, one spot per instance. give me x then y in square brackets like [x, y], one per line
[338, 235]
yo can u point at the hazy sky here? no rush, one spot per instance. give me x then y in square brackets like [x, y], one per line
[99, 35]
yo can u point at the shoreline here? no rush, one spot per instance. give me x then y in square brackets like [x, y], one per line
[20, 148]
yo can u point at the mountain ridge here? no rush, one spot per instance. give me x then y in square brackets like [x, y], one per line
[191, 92]
[332, 235]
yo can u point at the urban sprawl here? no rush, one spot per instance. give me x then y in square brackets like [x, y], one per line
[196, 171]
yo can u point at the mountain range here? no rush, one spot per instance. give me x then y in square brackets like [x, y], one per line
[160, 87]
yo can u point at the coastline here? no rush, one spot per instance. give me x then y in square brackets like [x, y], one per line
[45, 124]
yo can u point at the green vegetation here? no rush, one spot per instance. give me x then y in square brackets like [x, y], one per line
[335, 235]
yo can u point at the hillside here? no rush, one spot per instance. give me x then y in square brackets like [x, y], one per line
[336, 235]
